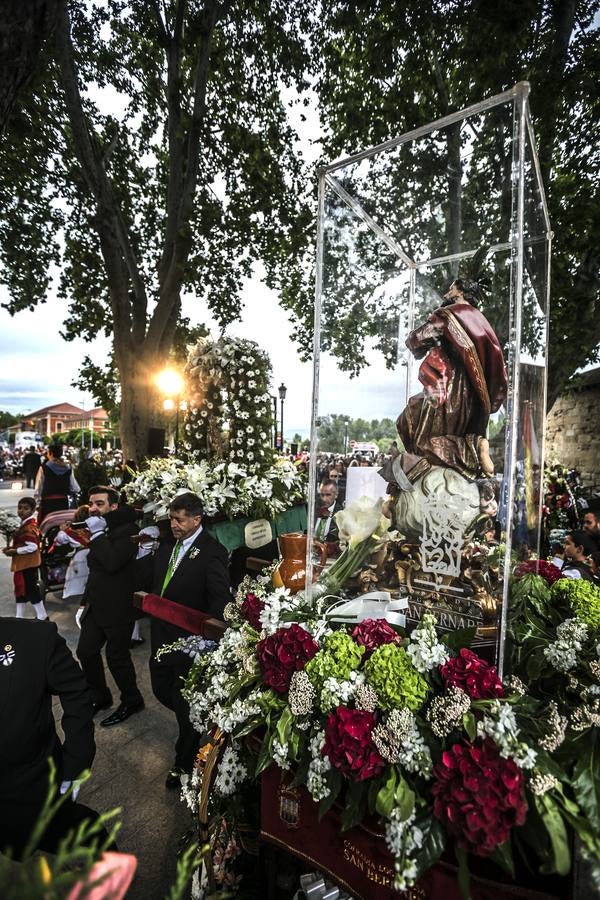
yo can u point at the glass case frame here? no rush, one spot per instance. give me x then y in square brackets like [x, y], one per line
[527, 251]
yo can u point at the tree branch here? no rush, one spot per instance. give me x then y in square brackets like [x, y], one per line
[177, 251]
[116, 247]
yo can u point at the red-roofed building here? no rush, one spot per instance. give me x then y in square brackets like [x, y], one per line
[64, 417]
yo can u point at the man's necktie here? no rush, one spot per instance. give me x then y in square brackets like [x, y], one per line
[172, 565]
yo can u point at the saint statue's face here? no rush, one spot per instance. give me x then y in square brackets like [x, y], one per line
[453, 293]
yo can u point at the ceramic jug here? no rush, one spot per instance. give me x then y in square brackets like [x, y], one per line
[291, 572]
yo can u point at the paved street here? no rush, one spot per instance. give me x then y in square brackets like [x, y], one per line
[131, 759]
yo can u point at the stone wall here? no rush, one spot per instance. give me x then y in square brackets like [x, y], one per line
[572, 430]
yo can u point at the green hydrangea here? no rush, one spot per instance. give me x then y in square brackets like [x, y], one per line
[337, 658]
[394, 678]
[583, 598]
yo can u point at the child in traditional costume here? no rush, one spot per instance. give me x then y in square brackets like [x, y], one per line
[26, 560]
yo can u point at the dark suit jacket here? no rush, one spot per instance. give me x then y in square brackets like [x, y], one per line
[200, 581]
[111, 561]
[42, 666]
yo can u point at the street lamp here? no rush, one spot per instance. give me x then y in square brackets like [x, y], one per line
[282, 393]
[170, 383]
[274, 399]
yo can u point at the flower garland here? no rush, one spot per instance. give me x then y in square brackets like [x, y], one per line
[229, 412]
[228, 488]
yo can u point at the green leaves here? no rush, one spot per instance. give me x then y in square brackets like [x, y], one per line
[586, 778]
[386, 795]
[559, 839]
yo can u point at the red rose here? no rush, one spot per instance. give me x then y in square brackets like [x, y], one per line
[283, 653]
[539, 567]
[478, 796]
[372, 633]
[471, 673]
[348, 743]
[252, 606]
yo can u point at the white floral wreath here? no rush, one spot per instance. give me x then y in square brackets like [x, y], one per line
[229, 411]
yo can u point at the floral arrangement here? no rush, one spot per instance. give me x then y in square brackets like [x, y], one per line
[229, 410]
[548, 571]
[417, 732]
[9, 522]
[229, 488]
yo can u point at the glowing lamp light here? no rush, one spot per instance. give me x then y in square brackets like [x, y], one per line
[168, 404]
[170, 382]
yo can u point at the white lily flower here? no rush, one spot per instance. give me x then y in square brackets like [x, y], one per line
[359, 520]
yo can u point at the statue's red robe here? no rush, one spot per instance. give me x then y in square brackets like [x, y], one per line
[464, 377]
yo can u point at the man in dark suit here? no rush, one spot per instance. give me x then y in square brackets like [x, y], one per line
[193, 572]
[109, 614]
[35, 665]
[31, 463]
[326, 529]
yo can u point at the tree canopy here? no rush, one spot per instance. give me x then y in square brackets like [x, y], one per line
[160, 161]
[391, 66]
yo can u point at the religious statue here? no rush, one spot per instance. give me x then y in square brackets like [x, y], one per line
[464, 380]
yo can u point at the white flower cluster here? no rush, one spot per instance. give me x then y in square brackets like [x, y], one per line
[280, 755]
[501, 726]
[229, 381]
[562, 653]
[276, 603]
[225, 487]
[541, 783]
[230, 716]
[556, 729]
[9, 522]
[301, 694]
[230, 773]
[398, 740]
[190, 789]
[424, 649]
[446, 711]
[403, 837]
[514, 685]
[339, 693]
[318, 768]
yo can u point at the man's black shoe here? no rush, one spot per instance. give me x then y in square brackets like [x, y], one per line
[173, 779]
[121, 713]
[102, 704]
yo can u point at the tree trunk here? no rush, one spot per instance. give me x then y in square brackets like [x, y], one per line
[138, 404]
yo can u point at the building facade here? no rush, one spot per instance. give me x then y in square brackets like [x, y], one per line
[572, 429]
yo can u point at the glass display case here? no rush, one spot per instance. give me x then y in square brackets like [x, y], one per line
[455, 418]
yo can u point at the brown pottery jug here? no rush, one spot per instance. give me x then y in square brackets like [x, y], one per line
[291, 572]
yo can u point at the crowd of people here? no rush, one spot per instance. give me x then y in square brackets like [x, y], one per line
[176, 559]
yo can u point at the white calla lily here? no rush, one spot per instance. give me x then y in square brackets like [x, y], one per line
[359, 520]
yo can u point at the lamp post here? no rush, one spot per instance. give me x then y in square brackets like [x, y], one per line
[274, 399]
[170, 383]
[282, 393]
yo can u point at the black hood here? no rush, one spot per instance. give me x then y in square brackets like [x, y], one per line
[121, 516]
